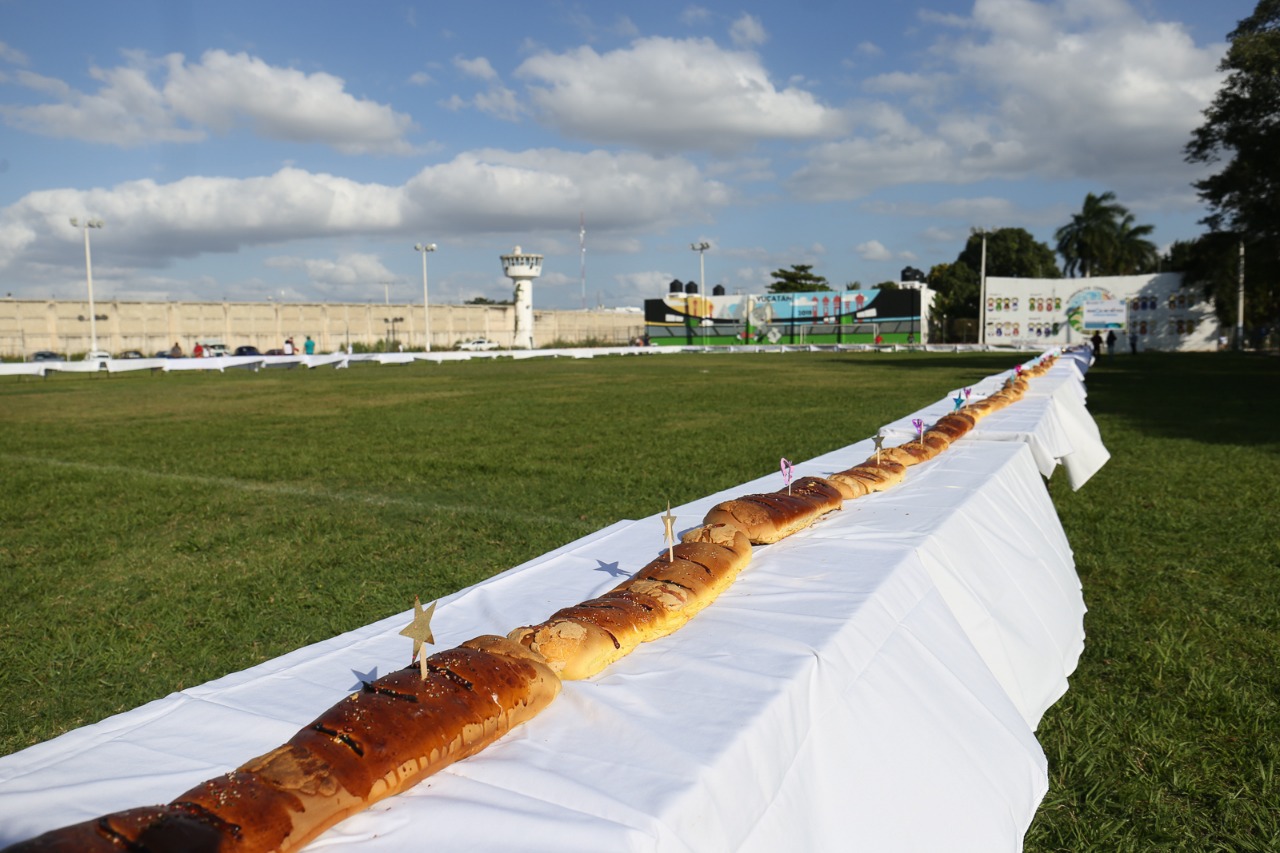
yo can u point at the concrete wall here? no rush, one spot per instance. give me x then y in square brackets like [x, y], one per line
[28, 325]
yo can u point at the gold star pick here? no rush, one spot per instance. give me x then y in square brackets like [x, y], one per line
[669, 522]
[419, 630]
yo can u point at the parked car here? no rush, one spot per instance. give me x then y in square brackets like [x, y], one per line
[274, 352]
[46, 355]
[247, 350]
[97, 354]
[478, 345]
[164, 353]
[214, 349]
[131, 353]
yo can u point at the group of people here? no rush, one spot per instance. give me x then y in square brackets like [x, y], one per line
[1097, 341]
[308, 346]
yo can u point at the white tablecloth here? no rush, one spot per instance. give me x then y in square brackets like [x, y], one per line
[1051, 418]
[871, 683]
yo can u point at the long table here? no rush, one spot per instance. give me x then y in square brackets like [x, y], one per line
[870, 683]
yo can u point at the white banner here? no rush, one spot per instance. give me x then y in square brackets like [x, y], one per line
[1105, 314]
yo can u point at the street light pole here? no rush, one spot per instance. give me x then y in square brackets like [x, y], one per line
[982, 293]
[426, 308]
[88, 277]
[701, 249]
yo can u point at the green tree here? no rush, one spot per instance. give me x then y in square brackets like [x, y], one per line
[1134, 253]
[1089, 238]
[1104, 239]
[799, 279]
[1241, 131]
[957, 287]
[1211, 264]
[1011, 253]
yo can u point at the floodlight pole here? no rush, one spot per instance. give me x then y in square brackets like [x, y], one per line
[88, 277]
[982, 293]
[424, 248]
[701, 249]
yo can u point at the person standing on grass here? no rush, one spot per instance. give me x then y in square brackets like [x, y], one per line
[1133, 342]
[288, 346]
[309, 346]
[1096, 340]
[1111, 343]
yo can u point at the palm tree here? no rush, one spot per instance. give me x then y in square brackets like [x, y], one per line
[1134, 252]
[1090, 238]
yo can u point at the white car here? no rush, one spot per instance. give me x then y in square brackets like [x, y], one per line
[478, 345]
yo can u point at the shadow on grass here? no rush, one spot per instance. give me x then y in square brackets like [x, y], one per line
[1214, 398]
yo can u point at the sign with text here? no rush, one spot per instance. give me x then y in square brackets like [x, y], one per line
[1105, 314]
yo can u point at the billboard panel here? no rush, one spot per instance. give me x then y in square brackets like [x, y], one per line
[1161, 314]
[1105, 314]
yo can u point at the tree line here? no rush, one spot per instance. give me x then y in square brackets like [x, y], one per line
[1240, 136]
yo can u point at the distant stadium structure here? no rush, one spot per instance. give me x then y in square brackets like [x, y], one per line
[684, 317]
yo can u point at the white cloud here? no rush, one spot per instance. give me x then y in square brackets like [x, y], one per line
[149, 224]
[747, 31]
[478, 68]
[148, 100]
[668, 95]
[1059, 90]
[499, 102]
[693, 15]
[873, 250]
[12, 55]
[348, 275]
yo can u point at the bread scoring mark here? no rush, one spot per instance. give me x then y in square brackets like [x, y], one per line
[373, 687]
[114, 836]
[344, 739]
[450, 675]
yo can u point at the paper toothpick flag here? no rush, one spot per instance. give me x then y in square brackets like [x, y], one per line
[788, 472]
[669, 522]
[918, 423]
[419, 630]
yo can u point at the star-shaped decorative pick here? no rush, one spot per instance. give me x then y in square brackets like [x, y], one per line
[879, 440]
[669, 534]
[419, 630]
[958, 399]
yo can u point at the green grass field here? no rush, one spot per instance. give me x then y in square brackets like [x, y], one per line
[159, 531]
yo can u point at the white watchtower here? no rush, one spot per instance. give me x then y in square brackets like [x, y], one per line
[522, 269]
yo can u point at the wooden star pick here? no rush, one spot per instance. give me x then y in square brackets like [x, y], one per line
[419, 630]
[669, 522]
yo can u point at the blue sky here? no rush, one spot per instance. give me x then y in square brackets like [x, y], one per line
[298, 151]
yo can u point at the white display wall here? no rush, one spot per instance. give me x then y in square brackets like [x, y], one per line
[1048, 311]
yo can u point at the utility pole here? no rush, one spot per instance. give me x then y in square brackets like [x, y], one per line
[1240, 303]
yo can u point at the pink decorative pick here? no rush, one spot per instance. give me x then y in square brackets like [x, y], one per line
[1018, 370]
[788, 472]
[967, 392]
[918, 423]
